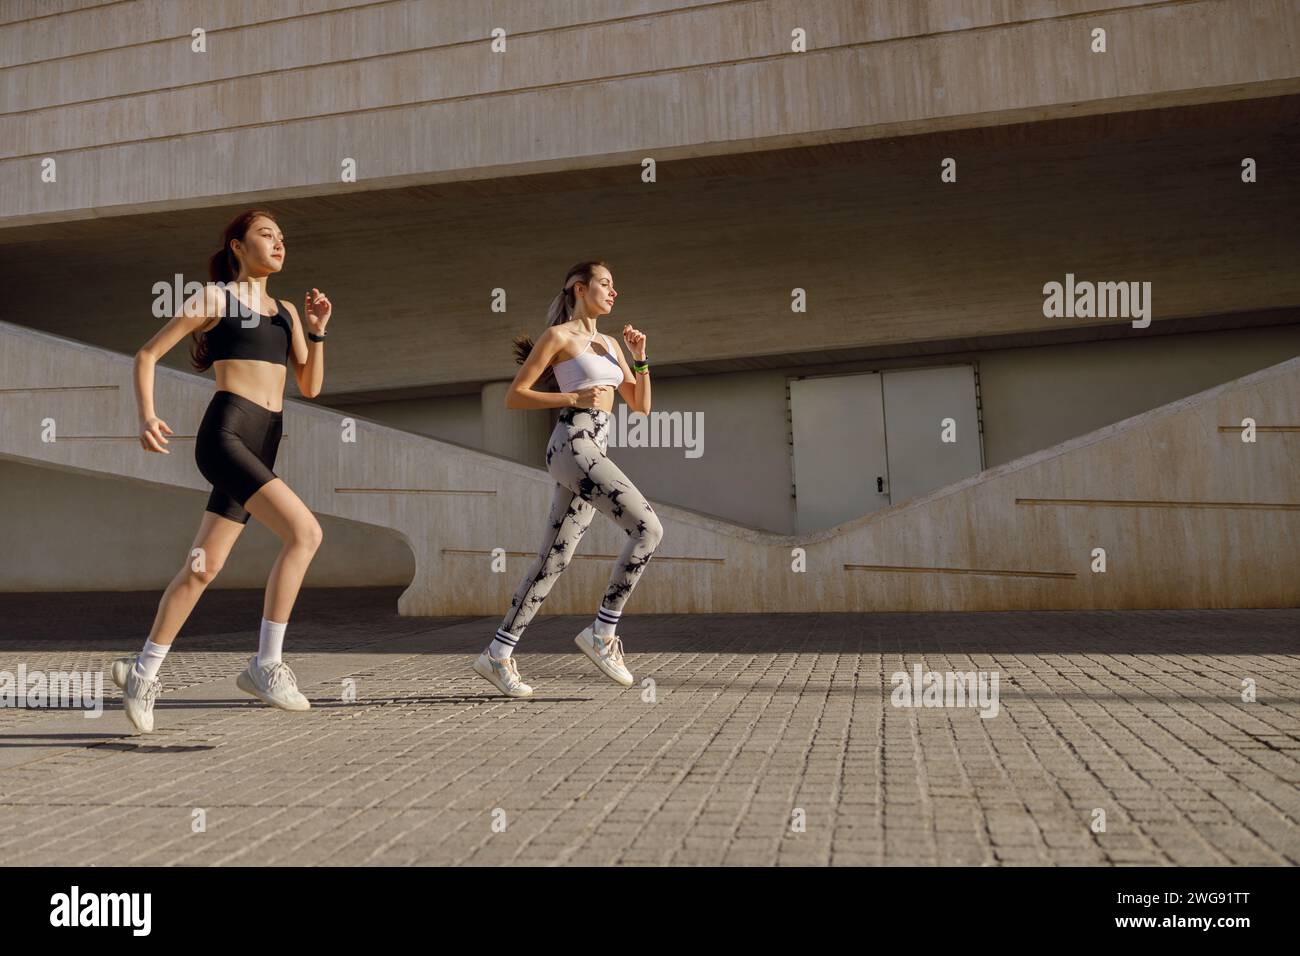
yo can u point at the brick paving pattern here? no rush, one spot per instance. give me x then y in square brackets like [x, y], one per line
[754, 719]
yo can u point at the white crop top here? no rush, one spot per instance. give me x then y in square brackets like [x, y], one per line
[587, 369]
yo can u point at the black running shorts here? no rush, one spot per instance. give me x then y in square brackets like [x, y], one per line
[235, 450]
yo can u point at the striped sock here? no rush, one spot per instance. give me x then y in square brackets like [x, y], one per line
[502, 645]
[606, 621]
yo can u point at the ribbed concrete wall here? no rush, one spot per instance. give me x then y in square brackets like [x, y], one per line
[413, 91]
[1187, 513]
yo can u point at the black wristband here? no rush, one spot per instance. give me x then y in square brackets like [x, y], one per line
[316, 338]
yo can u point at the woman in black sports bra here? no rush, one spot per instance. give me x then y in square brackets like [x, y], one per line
[248, 349]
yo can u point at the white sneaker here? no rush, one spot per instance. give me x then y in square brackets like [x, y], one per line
[121, 667]
[607, 655]
[274, 685]
[138, 694]
[503, 675]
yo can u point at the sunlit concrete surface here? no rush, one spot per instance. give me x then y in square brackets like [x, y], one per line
[768, 739]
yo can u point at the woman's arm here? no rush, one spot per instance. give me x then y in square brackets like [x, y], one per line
[521, 393]
[308, 356]
[195, 314]
[635, 388]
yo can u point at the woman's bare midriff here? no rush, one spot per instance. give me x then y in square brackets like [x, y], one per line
[606, 400]
[260, 382]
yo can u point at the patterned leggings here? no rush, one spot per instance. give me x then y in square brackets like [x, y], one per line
[586, 480]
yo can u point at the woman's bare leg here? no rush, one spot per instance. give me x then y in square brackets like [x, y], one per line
[277, 507]
[216, 536]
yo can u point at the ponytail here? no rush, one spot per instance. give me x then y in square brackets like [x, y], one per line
[223, 266]
[561, 310]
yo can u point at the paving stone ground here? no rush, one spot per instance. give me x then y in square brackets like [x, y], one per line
[754, 718]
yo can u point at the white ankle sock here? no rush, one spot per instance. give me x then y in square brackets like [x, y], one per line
[150, 659]
[606, 622]
[502, 645]
[270, 643]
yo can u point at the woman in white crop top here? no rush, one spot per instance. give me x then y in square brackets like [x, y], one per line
[587, 367]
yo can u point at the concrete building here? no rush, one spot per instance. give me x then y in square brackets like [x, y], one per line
[837, 222]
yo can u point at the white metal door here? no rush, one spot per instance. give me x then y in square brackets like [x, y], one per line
[920, 406]
[840, 466]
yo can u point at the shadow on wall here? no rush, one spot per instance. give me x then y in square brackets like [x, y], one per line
[66, 528]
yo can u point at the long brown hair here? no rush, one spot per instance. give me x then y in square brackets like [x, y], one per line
[223, 266]
[561, 310]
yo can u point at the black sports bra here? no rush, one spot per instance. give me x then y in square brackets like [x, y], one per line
[265, 340]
